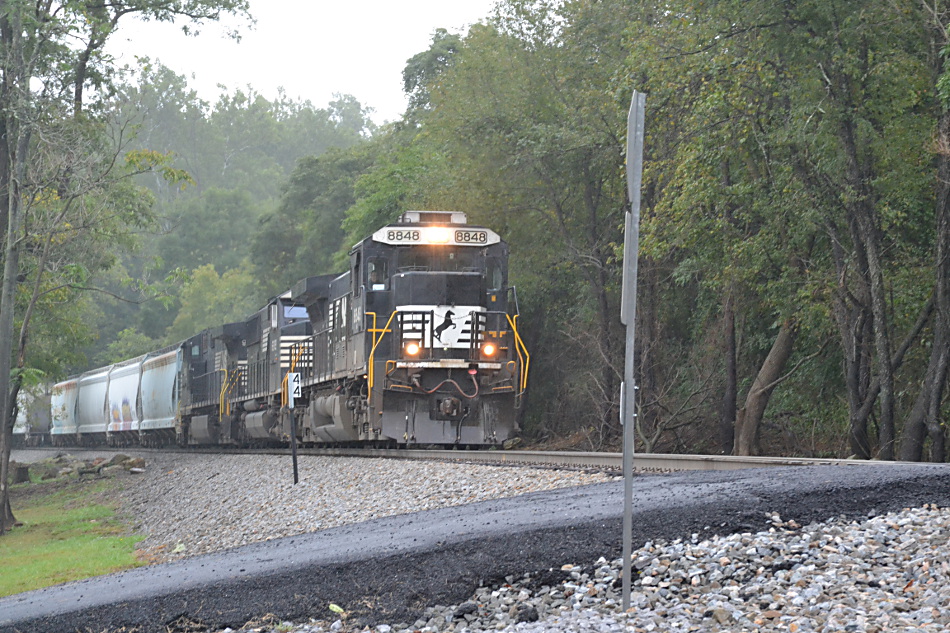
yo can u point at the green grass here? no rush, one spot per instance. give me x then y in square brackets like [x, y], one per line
[69, 532]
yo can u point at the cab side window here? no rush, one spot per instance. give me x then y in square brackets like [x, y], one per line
[495, 274]
[357, 278]
[378, 273]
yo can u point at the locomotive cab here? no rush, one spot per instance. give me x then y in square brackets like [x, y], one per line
[443, 364]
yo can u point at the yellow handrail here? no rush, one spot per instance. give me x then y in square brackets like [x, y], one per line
[222, 403]
[295, 359]
[231, 383]
[521, 349]
[371, 373]
[373, 330]
[523, 356]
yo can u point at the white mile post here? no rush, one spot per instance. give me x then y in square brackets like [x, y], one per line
[628, 316]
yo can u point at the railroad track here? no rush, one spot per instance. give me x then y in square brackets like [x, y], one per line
[641, 461]
[565, 459]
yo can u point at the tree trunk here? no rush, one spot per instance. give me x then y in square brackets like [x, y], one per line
[730, 394]
[727, 411]
[750, 416]
[866, 241]
[7, 304]
[647, 342]
[853, 323]
[17, 144]
[882, 339]
[924, 418]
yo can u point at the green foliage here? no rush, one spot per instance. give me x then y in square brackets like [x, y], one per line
[527, 141]
[209, 299]
[423, 69]
[235, 156]
[773, 131]
[396, 182]
[748, 194]
[129, 343]
[242, 142]
[301, 236]
[215, 228]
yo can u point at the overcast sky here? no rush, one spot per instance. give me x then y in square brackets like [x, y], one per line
[311, 48]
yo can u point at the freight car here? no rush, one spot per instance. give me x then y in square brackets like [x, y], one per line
[417, 343]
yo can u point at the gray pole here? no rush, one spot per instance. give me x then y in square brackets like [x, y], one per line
[628, 316]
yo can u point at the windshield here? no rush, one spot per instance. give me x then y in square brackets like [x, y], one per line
[439, 258]
[295, 312]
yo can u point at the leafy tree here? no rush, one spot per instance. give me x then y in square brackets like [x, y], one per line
[789, 188]
[925, 419]
[301, 237]
[129, 343]
[404, 174]
[46, 51]
[214, 228]
[239, 150]
[858, 155]
[423, 69]
[784, 195]
[243, 141]
[210, 299]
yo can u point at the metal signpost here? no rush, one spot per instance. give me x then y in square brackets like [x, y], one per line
[628, 316]
[293, 391]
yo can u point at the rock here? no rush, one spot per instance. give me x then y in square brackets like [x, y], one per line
[466, 608]
[90, 469]
[722, 616]
[134, 462]
[45, 470]
[118, 458]
[527, 613]
[512, 443]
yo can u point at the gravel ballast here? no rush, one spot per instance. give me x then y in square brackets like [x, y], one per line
[196, 504]
[883, 574]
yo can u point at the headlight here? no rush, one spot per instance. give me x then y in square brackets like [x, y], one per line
[437, 235]
[489, 349]
[413, 348]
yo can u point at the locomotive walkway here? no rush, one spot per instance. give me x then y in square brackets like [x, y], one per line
[390, 569]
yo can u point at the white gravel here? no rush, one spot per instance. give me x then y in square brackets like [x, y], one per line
[194, 504]
[886, 574]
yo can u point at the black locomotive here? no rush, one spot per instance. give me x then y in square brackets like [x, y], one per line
[416, 344]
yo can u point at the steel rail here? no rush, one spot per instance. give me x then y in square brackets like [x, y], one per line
[642, 461]
[566, 459]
